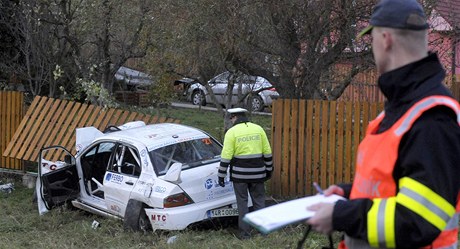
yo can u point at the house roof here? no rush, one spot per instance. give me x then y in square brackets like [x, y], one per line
[450, 11]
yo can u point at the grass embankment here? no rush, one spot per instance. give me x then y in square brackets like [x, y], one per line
[22, 227]
[209, 121]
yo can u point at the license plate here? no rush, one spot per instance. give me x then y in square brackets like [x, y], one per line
[223, 212]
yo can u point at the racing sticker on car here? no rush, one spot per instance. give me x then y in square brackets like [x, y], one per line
[214, 190]
[160, 189]
[159, 218]
[151, 136]
[48, 166]
[115, 208]
[115, 178]
[144, 157]
[207, 141]
[209, 184]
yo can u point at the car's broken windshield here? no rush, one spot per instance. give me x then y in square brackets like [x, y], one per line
[191, 154]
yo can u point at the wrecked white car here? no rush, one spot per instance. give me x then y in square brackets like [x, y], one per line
[160, 176]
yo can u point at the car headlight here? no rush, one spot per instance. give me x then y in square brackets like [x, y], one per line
[177, 200]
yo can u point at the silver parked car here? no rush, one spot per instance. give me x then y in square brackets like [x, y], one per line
[198, 93]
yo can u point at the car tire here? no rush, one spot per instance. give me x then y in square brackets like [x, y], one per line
[135, 217]
[256, 103]
[198, 98]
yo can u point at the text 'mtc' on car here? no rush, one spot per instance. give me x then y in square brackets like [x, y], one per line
[160, 176]
[257, 101]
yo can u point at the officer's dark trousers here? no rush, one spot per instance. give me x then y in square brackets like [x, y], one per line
[257, 192]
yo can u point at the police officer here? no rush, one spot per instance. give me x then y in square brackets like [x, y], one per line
[406, 185]
[248, 154]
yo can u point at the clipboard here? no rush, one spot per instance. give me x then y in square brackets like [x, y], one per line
[272, 218]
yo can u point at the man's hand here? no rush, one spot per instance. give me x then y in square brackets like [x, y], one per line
[268, 175]
[221, 182]
[322, 220]
[334, 189]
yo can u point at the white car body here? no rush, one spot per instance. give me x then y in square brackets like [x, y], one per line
[114, 176]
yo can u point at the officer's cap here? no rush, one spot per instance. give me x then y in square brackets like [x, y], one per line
[237, 110]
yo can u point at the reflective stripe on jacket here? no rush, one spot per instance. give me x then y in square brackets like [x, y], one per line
[248, 153]
[377, 155]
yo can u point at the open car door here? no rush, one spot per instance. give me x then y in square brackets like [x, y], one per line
[58, 180]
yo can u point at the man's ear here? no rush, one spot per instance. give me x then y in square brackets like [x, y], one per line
[387, 39]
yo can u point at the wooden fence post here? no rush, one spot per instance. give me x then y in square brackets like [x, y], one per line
[11, 113]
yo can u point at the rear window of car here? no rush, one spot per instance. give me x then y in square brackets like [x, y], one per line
[191, 154]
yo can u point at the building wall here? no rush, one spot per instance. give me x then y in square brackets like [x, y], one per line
[441, 43]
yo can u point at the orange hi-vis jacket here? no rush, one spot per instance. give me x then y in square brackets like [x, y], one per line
[377, 155]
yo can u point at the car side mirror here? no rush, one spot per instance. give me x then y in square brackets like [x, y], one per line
[173, 174]
[68, 159]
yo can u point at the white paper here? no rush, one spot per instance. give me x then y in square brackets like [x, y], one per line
[274, 217]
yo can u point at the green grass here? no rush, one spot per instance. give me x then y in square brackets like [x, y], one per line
[22, 227]
[209, 121]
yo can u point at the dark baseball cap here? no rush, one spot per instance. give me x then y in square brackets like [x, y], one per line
[398, 14]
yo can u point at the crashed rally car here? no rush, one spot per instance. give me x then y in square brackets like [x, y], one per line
[160, 176]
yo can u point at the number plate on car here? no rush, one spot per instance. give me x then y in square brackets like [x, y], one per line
[223, 212]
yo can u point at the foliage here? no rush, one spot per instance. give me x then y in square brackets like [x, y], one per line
[162, 91]
[86, 40]
[88, 91]
[96, 93]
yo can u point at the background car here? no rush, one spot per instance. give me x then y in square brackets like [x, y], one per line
[198, 94]
[160, 176]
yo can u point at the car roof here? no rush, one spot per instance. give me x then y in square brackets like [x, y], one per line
[242, 77]
[157, 135]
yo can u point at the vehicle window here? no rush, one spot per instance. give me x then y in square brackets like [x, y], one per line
[222, 77]
[94, 163]
[100, 148]
[125, 160]
[193, 153]
[247, 79]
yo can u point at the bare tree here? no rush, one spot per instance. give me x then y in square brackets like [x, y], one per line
[293, 44]
[445, 34]
[76, 44]
[8, 48]
[192, 42]
[31, 57]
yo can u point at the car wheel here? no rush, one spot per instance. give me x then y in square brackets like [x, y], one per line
[144, 222]
[257, 104]
[135, 217]
[198, 98]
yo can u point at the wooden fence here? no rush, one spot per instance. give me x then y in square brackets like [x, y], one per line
[362, 92]
[53, 122]
[316, 141]
[139, 98]
[11, 112]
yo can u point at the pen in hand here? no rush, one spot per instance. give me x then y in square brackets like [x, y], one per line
[318, 188]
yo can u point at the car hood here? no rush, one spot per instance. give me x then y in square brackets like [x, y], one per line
[201, 183]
